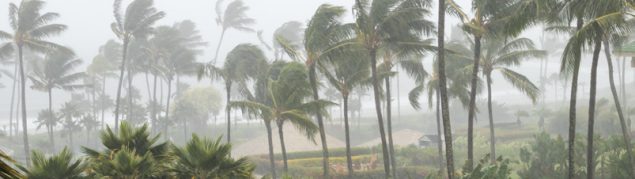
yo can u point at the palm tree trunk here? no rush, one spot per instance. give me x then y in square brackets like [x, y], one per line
[25, 134]
[349, 159]
[154, 104]
[492, 136]
[472, 105]
[572, 107]
[439, 133]
[316, 96]
[618, 107]
[148, 85]
[15, 81]
[594, 70]
[228, 89]
[445, 110]
[270, 141]
[130, 87]
[380, 121]
[391, 146]
[167, 105]
[220, 41]
[50, 126]
[103, 103]
[283, 147]
[122, 69]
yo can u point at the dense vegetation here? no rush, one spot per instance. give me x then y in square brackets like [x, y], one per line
[316, 67]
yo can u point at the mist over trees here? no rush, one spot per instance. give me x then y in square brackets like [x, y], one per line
[491, 89]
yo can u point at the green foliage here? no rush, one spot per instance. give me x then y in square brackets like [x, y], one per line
[6, 170]
[485, 170]
[203, 158]
[61, 165]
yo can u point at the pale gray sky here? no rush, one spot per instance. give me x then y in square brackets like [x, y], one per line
[89, 27]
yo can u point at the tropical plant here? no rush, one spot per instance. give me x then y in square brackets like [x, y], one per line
[134, 23]
[485, 169]
[244, 62]
[324, 36]
[347, 75]
[381, 27]
[283, 100]
[6, 169]
[233, 17]
[56, 71]
[607, 17]
[47, 118]
[293, 34]
[499, 56]
[31, 28]
[103, 66]
[130, 152]
[204, 158]
[61, 165]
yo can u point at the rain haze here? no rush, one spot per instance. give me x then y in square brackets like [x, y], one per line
[318, 108]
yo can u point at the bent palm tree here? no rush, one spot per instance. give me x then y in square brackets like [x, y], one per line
[381, 27]
[6, 171]
[135, 23]
[283, 100]
[242, 64]
[348, 74]
[324, 36]
[232, 18]
[56, 71]
[204, 158]
[30, 30]
[499, 55]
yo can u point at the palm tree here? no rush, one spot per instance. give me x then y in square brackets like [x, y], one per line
[131, 152]
[242, 64]
[458, 81]
[89, 123]
[292, 32]
[56, 71]
[499, 56]
[204, 158]
[347, 75]
[443, 91]
[381, 27]
[135, 23]
[49, 119]
[6, 171]
[323, 37]
[606, 18]
[61, 165]
[281, 99]
[30, 30]
[233, 17]
[104, 65]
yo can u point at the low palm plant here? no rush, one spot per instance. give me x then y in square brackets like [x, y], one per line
[6, 169]
[130, 153]
[203, 158]
[61, 165]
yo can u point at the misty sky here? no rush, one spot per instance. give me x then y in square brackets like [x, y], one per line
[89, 27]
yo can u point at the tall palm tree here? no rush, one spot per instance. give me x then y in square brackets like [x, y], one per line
[61, 165]
[103, 66]
[134, 23]
[381, 27]
[607, 17]
[30, 27]
[324, 36]
[347, 75]
[204, 158]
[56, 71]
[283, 100]
[242, 64]
[233, 17]
[458, 86]
[499, 56]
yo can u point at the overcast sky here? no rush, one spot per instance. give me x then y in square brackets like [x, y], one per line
[89, 27]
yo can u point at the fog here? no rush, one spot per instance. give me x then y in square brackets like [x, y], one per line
[181, 96]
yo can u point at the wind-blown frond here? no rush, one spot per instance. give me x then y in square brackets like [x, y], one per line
[522, 83]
